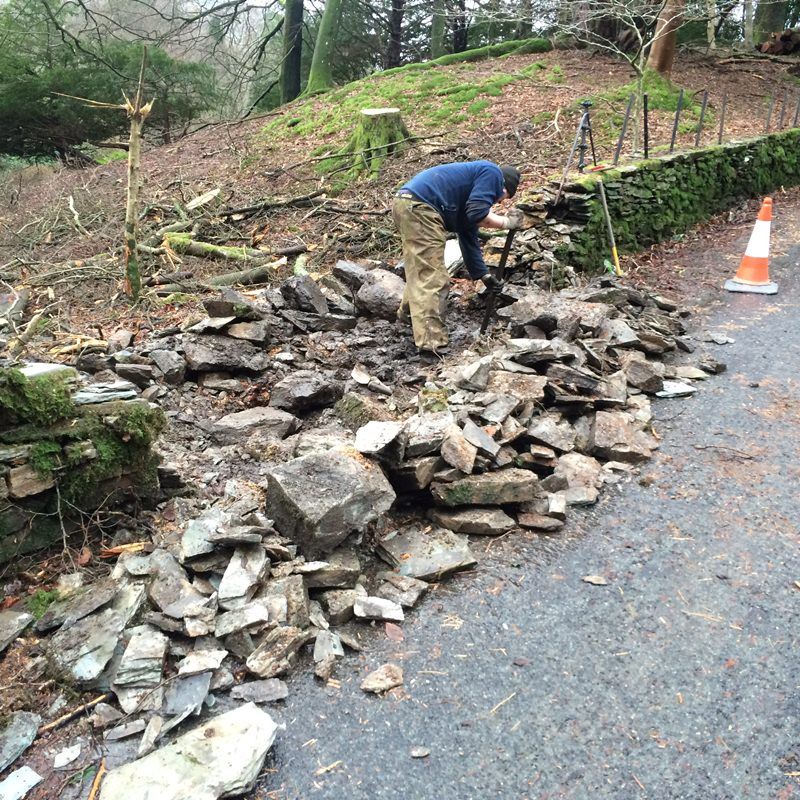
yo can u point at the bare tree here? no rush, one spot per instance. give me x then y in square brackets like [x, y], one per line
[665, 40]
[642, 32]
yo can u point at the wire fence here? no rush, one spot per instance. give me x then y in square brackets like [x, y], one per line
[783, 113]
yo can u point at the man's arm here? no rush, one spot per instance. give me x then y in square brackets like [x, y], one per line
[492, 220]
[486, 191]
[472, 254]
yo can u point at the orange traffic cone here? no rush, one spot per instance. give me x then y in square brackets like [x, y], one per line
[753, 273]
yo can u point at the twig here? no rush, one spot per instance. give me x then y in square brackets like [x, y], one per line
[740, 453]
[77, 220]
[57, 723]
[97, 780]
[503, 702]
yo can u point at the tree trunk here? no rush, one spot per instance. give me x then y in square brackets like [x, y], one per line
[770, 17]
[524, 29]
[395, 33]
[321, 76]
[460, 27]
[749, 43]
[438, 25]
[379, 134]
[167, 135]
[292, 50]
[711, 24]
[138, 114]
[662, 51]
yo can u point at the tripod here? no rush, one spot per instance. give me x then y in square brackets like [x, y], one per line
[584, 130]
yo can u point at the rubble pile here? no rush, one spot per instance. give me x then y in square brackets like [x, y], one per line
[221, 610]
[236, 337]
[521, 434]
[513, 434]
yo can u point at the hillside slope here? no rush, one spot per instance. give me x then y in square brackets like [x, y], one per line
[518, 108]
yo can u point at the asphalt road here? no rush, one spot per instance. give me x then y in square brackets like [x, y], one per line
[676, 680]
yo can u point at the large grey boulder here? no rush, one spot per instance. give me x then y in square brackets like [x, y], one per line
[381, 293]
[232, 304]
[350, 274]
[615, 436]
[305, 390]
[221, 758]
[302, 292]
[223, 354]
[270, 424]
[170, 364]
[319, 499]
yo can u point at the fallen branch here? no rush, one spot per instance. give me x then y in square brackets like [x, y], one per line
[265, 205]
[259, 274]
[57, 723]
[97, 780]
[182, 243]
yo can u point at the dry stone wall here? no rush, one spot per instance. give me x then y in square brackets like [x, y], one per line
[651, 200]
[66, 445]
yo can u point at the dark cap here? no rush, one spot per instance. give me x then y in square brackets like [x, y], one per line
[511, 176]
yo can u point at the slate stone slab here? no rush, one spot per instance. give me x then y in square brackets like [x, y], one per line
[479, 521]
[12, 624]
[266, 691]
[222, 757]
[221, 353]
[502, 487]
[78, 606]
[427, 554]
[319, 499]
[16, 735]
[305, 390]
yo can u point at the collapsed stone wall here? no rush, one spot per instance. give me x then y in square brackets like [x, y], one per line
[651, 200]
[67, 447]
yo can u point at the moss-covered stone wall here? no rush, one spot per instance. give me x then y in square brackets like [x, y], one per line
[651, 200]
[59, 458]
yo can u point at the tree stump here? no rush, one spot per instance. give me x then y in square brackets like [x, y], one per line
[380, 133]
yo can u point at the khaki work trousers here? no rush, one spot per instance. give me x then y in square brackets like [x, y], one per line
[427, 281]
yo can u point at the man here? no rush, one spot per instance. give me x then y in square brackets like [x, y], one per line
[451, 197]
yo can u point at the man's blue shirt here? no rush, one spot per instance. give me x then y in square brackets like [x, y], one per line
[463, 194]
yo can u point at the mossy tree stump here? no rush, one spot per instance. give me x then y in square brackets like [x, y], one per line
[380, 133]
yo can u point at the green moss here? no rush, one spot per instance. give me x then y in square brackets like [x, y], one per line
[661, 198]
[456, 494]
[355, 410]
[122, 434]
[40, 601]
[122, 441]
[433, 398]
[429, 95]
[556, 75]
[38, 401]
[45, 457]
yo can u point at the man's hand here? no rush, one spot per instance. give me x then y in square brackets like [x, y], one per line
[492, 284]
[514, 220]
